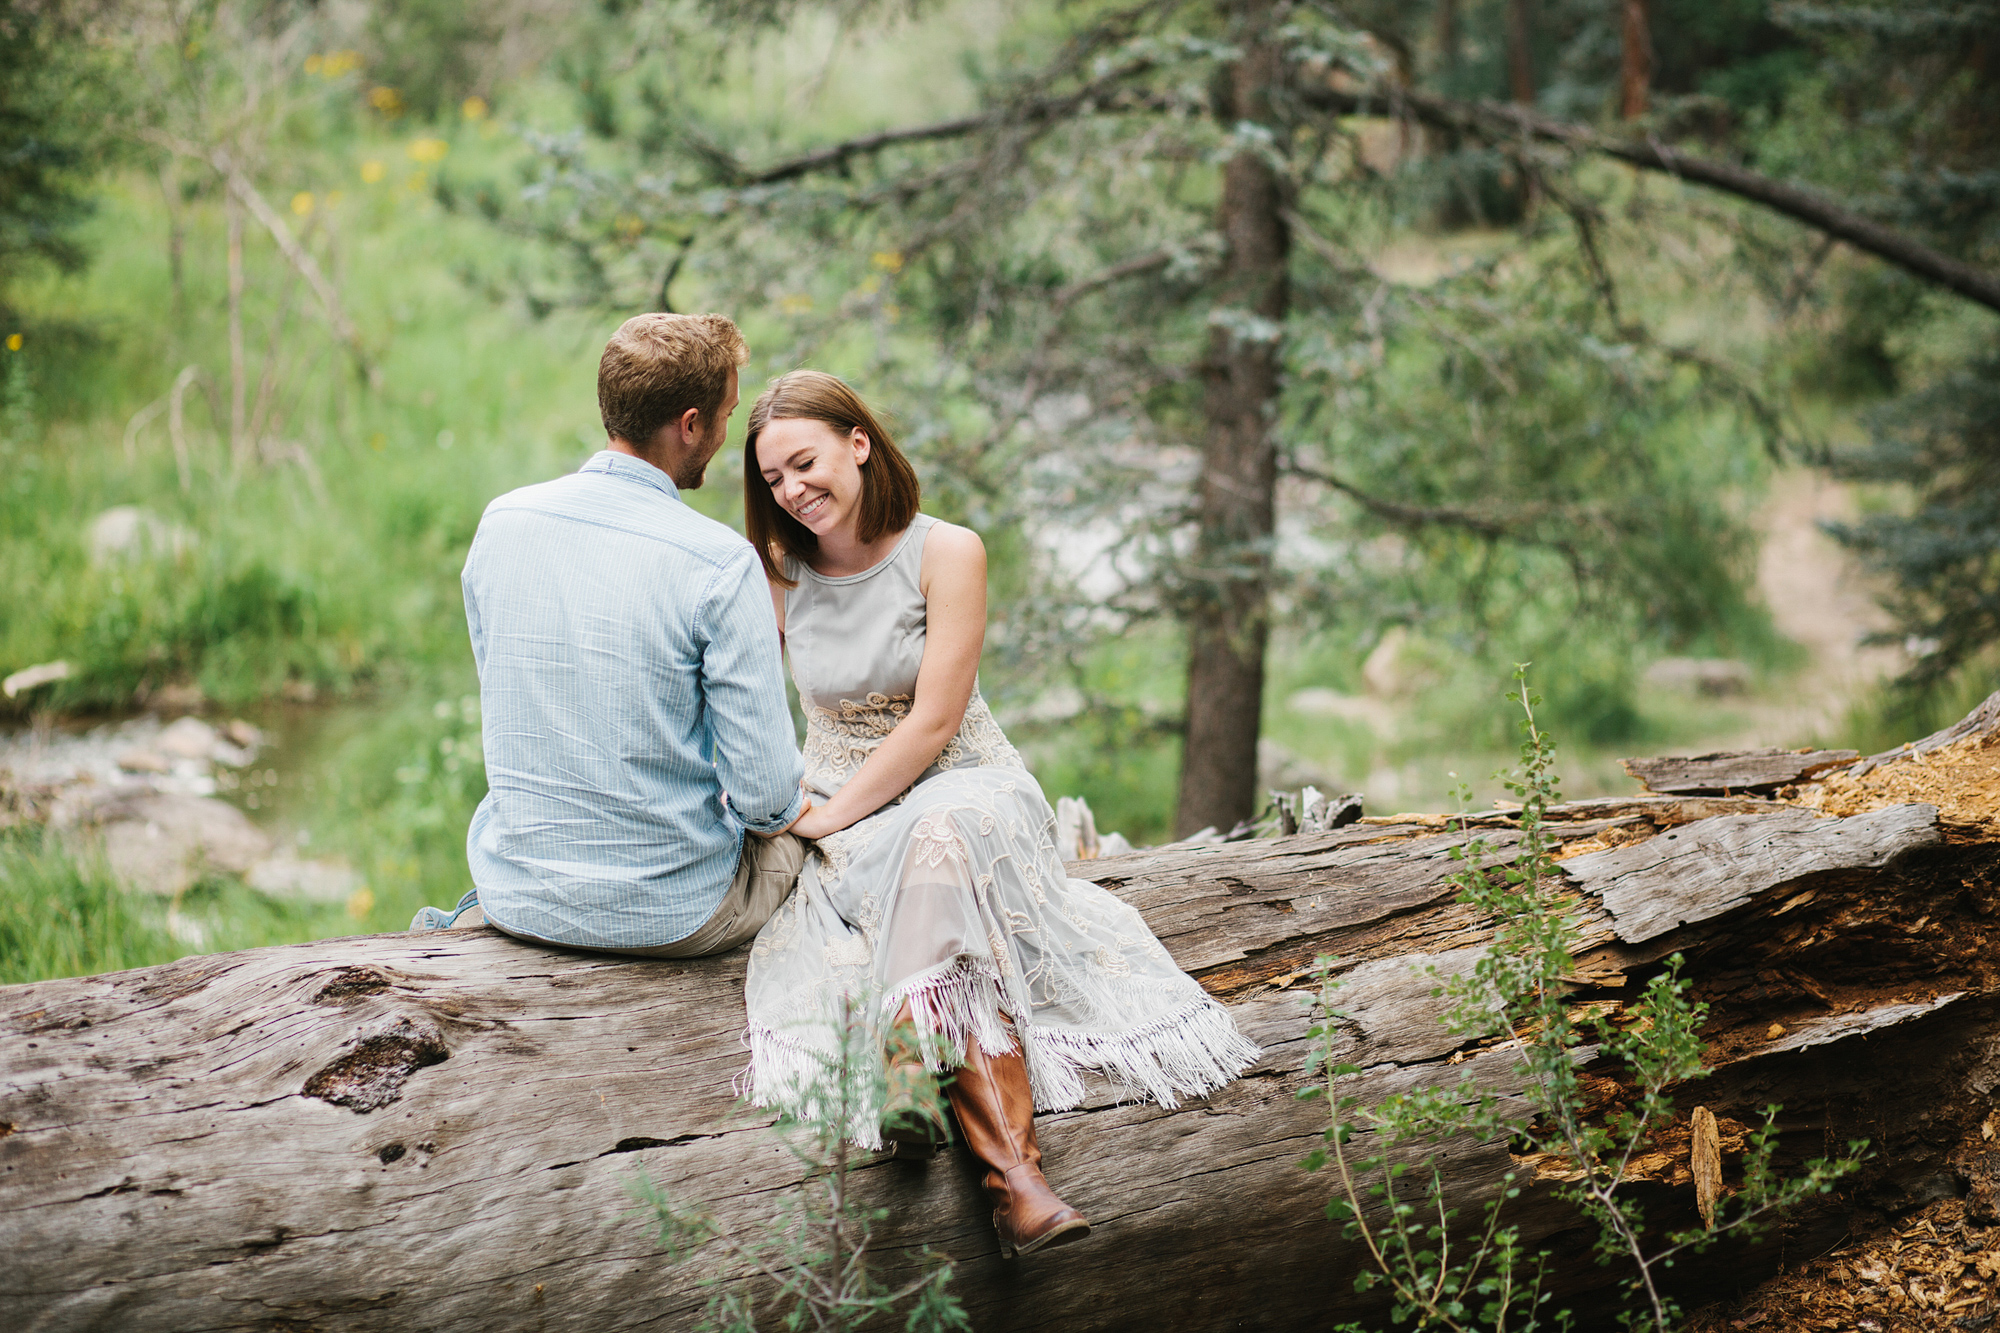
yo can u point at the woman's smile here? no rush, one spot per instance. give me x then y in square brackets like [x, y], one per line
[811, 507]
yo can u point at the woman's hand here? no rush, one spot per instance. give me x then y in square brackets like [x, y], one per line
[814, 824]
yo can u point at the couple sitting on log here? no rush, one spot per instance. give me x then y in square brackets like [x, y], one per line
[903, 872]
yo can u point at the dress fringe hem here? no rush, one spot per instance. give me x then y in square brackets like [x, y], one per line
[1189, 1051]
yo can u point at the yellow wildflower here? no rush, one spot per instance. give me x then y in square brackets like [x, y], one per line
[13, 342]
[889, 261]
[302, 203]
[372, 171]
[427, 150]
[314, 64]
[475, 108]
[386, 100]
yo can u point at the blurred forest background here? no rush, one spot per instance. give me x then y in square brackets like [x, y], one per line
[1305, 364]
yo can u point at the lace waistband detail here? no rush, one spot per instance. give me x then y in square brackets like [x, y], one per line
[840, 739]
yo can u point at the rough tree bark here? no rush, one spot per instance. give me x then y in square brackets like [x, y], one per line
[1635, 68]
[435, 1132]
[1228, 615]
[1520, 53]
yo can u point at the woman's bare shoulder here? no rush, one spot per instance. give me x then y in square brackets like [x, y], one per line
[951, 550]
[950, 540]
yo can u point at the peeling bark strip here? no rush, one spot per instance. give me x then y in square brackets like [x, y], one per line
[171, 1159]
[1708, 867]
[1735, 771]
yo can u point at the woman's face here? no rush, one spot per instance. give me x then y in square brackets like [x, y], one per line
[814, 471]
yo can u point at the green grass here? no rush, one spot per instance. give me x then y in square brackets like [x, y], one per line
[329, 571]
[62, 915]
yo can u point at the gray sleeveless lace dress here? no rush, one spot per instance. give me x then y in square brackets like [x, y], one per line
[952, 897]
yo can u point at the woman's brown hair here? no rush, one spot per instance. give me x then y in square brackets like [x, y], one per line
[890, 493]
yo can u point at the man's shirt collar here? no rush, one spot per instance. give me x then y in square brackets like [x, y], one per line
[629, 468]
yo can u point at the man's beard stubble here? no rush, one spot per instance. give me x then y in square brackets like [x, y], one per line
[691, 471]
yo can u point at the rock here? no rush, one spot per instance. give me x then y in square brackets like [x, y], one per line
[1391, 670]
[243, 736]
[161, 843]
[144, 761]
[126, 532]
[1318, 702]
[187, 738]
[315, 881]
[1710, 677]
[176, 697]
[1278, 769]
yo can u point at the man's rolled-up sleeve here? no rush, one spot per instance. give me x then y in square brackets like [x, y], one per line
[743, 681]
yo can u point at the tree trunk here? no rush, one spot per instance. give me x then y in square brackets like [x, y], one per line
[1228, 615]
[1520, 54]
[437, 1131]
[1447, 37]
[1635, 80]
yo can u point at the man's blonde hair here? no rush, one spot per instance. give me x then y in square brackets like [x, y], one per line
[658, 366]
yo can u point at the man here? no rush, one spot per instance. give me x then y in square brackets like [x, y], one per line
[630, 681]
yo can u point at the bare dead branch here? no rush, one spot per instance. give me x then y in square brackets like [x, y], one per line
[297, 255]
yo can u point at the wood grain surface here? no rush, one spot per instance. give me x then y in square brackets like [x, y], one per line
[438, 1131]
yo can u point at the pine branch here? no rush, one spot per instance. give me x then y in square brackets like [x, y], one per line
[1499, 125]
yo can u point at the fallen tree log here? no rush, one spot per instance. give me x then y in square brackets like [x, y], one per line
[437, 1131]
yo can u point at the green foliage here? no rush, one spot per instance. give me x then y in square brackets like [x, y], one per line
[54, 104]
[814, 1265]
[1941, 552]
[1445, 1274]
[63, 915]
[430, 51]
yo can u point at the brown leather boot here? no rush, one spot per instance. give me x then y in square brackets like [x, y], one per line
[996, 1113]
[913, 1112]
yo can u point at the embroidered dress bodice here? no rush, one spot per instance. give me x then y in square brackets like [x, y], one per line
[951, 899]
[856, 645]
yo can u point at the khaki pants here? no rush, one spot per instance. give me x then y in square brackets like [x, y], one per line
[764, 878]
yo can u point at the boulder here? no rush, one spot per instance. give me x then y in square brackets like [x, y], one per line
[127, 532]
[161, 843]
[284, 876]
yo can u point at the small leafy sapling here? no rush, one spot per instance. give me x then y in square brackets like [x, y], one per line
[814, 1265]
[1443, 1274]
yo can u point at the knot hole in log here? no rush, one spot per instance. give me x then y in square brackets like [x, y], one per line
[371, 1074]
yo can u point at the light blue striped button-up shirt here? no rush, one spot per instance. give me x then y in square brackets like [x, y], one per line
[629, 675]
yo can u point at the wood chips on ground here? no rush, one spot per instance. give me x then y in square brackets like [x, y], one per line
[1935, 1271]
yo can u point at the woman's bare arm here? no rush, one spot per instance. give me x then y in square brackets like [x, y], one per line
[954, 587]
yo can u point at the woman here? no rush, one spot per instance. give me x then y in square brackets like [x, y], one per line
[934, 903]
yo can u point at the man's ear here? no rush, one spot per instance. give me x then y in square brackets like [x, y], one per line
[690, 424]
[862, 445]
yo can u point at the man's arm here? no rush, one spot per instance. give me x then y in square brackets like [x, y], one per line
[473, 626]
[743, 684]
